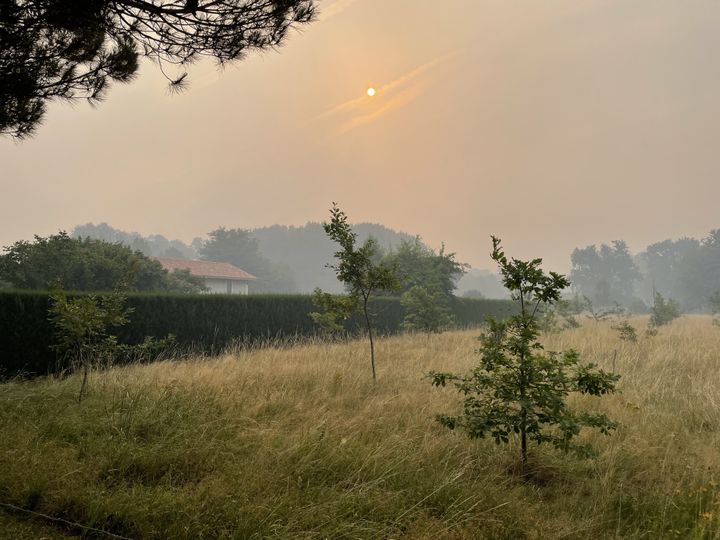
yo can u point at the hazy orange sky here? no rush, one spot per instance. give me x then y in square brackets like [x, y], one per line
[552, 124]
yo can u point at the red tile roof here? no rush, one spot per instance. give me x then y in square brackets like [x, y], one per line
[210, 269]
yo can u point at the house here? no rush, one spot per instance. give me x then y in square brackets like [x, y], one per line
[219, 277]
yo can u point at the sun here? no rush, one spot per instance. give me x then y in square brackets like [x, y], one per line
[371, 92]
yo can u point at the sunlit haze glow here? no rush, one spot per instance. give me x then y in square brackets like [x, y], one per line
[550, 124]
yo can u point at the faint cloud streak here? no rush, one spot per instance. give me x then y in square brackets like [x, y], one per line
[395, 103]
[389, 97]
[336, 8]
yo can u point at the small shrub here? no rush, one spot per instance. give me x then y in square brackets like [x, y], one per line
[557, 317]
[626, 331]
[334, 311]
[601, 314]
[518, 389]
[714, 302]
[151, 349]
[663, 311]
[426, 311]
[82, 328]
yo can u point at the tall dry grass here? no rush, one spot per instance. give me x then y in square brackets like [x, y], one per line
[298, 443]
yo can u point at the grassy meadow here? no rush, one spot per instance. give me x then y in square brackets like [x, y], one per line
[298, 443]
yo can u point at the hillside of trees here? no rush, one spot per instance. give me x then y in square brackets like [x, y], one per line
[155, 245]
[305, 251]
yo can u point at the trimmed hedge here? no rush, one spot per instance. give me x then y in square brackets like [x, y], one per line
[203, 323]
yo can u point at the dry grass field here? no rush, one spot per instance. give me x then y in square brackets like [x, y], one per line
[298, 443]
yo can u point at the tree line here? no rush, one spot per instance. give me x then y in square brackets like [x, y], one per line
[82, 263]
[85, 264]
[287, 259]
[686, 270]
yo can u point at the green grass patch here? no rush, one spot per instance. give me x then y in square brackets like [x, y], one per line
[297, 443]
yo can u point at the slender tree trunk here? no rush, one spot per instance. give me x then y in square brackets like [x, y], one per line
[523, 384]
[523, 442]
[84, 382]
[372, 344]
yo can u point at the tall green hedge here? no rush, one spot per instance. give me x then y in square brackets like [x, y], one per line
[204, 323]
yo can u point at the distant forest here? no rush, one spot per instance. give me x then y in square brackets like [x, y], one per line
[293, 259]
[686, 270]
[285, 258]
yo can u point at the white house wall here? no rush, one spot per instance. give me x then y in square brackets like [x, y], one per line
[220, 286]
[239, 287]
[216, 286]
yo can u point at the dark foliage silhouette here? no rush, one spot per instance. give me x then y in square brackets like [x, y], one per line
[56, 49]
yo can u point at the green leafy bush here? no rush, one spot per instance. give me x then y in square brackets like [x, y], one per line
[518, 388]
[663, 311]
[82, 326]
[599, 315]
[714, 302]
[426, 311]
[557, 317]
[626, 331]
